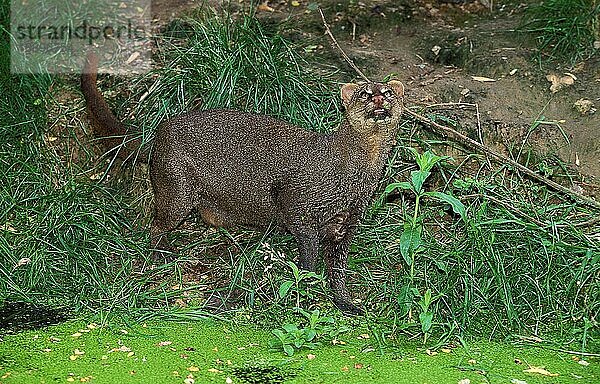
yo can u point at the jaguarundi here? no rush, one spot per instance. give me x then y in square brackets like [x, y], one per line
[239, 168]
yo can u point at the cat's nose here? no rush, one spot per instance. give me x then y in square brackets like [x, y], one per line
[377, 100]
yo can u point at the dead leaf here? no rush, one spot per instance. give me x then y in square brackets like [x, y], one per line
[446, 350]
[214, 370]
[585, 107]
[482, 79]
[430, 352]
[515, 381]
[540, 371]
[228, 380]
[464, 381]
[78, 352]
[130, 354]
[264, 7]
[363, 336]
[22, 262]
[512, 73]
[310, 356]
[559, 82]
[189, 380]
[193, 369]
[163, 343]
[358, 366]
[472, 361]
[295, 3]
[583, 362]
[133, 56]
[76, 334]
[345, 368]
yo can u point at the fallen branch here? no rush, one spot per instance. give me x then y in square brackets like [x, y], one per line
[447, 131]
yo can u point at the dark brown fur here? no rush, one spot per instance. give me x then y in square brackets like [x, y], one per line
[238, 168]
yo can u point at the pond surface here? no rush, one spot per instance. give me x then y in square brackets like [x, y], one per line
[218, 352]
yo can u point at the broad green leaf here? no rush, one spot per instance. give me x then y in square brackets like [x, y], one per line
[427, 160]
[295, 270]
[410, 241]
[426, 318]
[427, 297]
[457, 206]
[405, 300]
[284, 288]
[288, 349]
[418, 178]
[279, 334]
[401, 185]
[290, 328]
[310, 334]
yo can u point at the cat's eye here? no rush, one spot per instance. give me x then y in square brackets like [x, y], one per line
[387, 94]
[364, 95]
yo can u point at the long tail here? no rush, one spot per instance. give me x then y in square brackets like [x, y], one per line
[107, 128]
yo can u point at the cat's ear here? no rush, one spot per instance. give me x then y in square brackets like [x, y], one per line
[347, 92]
[397, 87]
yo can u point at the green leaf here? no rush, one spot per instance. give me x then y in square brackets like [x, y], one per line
[295, 270]
[284, 288]
[427, 160]
[457, 206]
[426, 320]
[418, 178]
[290, 328]
[401, 185]
[410, 241]
[427, 297]
[405, 300]
[288, 349]
[310, 334]
[279, 334]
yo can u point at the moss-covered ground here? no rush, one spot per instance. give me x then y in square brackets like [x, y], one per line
[219, 352]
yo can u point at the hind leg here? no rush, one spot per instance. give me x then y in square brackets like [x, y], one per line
[172, 203]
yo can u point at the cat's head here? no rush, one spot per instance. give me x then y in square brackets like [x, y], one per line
[373, 105]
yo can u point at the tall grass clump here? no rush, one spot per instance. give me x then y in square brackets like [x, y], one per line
[564, 29]
[209, 61]
[65, 240]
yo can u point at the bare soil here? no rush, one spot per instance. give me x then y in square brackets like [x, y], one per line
[435, 48]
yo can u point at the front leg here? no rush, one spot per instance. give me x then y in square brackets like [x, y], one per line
[336, 239]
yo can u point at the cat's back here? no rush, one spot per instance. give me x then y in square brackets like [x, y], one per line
[227, 125]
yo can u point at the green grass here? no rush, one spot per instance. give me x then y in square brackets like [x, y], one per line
[520, 263]
[211, 352]
[565, 29]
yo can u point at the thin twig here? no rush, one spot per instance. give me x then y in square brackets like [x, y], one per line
[335, 43]
[503, 159]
